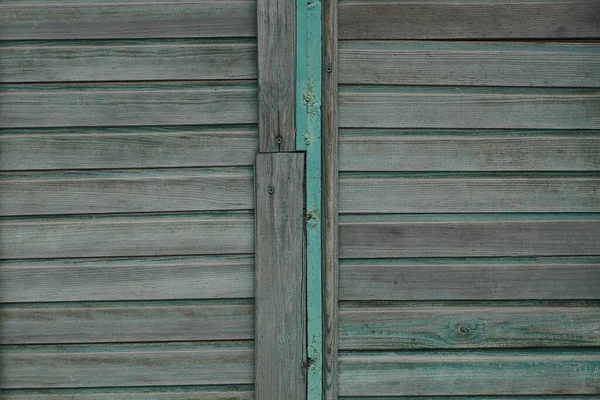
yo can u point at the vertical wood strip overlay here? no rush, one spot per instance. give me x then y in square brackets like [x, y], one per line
[280, 285]
[330, 196]
[276, 74]
[308, 138]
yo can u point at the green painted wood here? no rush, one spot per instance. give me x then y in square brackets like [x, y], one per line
[308, 139]
[116, 322]
[464, 327]
[276, 26]
[106, 104]
[115, 191]
[141, 235]
[75, 19]
[165, 278]
[433, 150]
[135, 147]
[469, 108]
[449, 194]
[280, 277]
[422, 237]
[127, 365]
[520, 19]
[60, 61]
[222, 392]
[439, 373]
[502, 279]
[469, 64]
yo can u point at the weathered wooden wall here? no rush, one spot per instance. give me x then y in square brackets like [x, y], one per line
[469, 198]
[128, 135]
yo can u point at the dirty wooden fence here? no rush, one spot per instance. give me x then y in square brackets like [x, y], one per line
[469, 157]
[127, 145]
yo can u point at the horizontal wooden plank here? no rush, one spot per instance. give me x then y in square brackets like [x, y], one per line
[111, 20]
[125, 104]
[396, 328]
[126, 322]
[142, 147]
[470, 108]
[468, 238]
[127, 365]
[127, 60]
[514, 19]
[469, 64]
[372, 150]
[222, 392]
[142, 235]
[127, 279]
[126, 191]
[469, 373]
[459, 280]
[552, 397]
[392, 194]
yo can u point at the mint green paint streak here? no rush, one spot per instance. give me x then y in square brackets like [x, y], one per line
[308, 138]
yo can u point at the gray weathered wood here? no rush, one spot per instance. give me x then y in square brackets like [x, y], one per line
[280, 277]
[127, 279]
[107, 104]
[391, 328]
[470, 108]
[373, 150]
[229, 392]
[128, 60]
[277, 75]
[392, 194]
[149, 19]
[468, 238]
[330, 143]
[126, 322]
[470, 373]
[112, 191]
[514, 279]
[127, 365]
[143, 235]
[148, 147]
[471, 19]
[469, 64]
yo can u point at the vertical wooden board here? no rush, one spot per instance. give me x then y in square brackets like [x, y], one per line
[276, 74]
[280, 284]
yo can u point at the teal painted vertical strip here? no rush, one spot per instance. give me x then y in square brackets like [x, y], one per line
[308, 138]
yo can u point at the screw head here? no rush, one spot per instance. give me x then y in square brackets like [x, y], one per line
[328, 69]
[271, 190]
[463, 330]
[279, 140]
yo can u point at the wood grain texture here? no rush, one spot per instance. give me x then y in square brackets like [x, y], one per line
[463, 327]
[280, 277]
[126, 365]
[126, 191]
[128, 60]
[516, 279]
[521, 19]
[470, 373]
[126, 322]
[330, 143]
[469, 64]
[469, 238]
[373, 150]
[390, 194]
[472, 108]
[149, 19]
[165, 278]
[276, 74]
[156, 104]
[229, 392]
[143, 235]
[141, 147]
